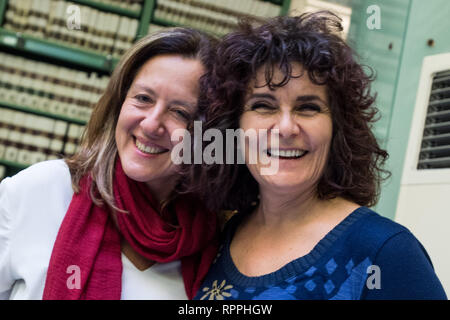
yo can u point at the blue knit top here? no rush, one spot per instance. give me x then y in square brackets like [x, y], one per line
[366, 256]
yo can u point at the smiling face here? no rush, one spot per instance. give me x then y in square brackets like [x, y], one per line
[300, 111]
[161, 99]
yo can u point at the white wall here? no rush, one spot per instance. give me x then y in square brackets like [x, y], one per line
[425, 210]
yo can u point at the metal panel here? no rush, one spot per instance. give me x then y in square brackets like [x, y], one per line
[435, 150]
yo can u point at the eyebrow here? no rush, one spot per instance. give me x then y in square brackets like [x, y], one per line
[310, 97]
[176, 102]
[263, 95]
[143, 87]
[304, 98]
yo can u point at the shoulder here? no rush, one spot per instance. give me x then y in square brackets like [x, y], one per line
[39, 189]
[372, 230]
[368, 232]
[38, 177]
[377, 223]
[44, 170]
[404, 266]
[393, 241]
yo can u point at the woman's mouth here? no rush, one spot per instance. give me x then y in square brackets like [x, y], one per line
[149, 149]
[286, 153]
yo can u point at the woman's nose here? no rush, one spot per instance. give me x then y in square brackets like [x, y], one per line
[287, 125]
[154, 122]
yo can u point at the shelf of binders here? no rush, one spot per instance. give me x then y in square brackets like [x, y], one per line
[285, 5]
[8, 105]
[214, 16]
[55, 50]
[104, 33]
[109, 8]
[169, 24]
[28, 137]
[45, 89]
[148, 12]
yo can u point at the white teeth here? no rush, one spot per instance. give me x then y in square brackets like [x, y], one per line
[146, 149]
[287, 153]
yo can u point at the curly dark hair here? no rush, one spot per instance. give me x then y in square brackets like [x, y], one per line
[354, 169]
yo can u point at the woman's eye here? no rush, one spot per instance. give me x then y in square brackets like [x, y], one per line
[308, 108]
[143, 98]
[182, 114]
[262, 107]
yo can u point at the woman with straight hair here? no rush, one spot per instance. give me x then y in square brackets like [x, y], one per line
[303, 230]
[108, 222]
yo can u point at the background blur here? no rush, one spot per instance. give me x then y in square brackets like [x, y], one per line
[56, 57]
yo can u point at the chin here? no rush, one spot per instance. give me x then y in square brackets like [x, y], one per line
[281, 182]
[136, 175]
[287, 182]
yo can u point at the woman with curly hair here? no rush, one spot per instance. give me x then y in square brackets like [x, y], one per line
[305, 231]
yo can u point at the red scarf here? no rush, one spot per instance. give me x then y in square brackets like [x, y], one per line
[89, 240]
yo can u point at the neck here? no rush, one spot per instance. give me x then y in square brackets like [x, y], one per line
[161, 191]
[279, 207]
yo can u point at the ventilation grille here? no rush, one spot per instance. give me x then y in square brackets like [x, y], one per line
[435, 149]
